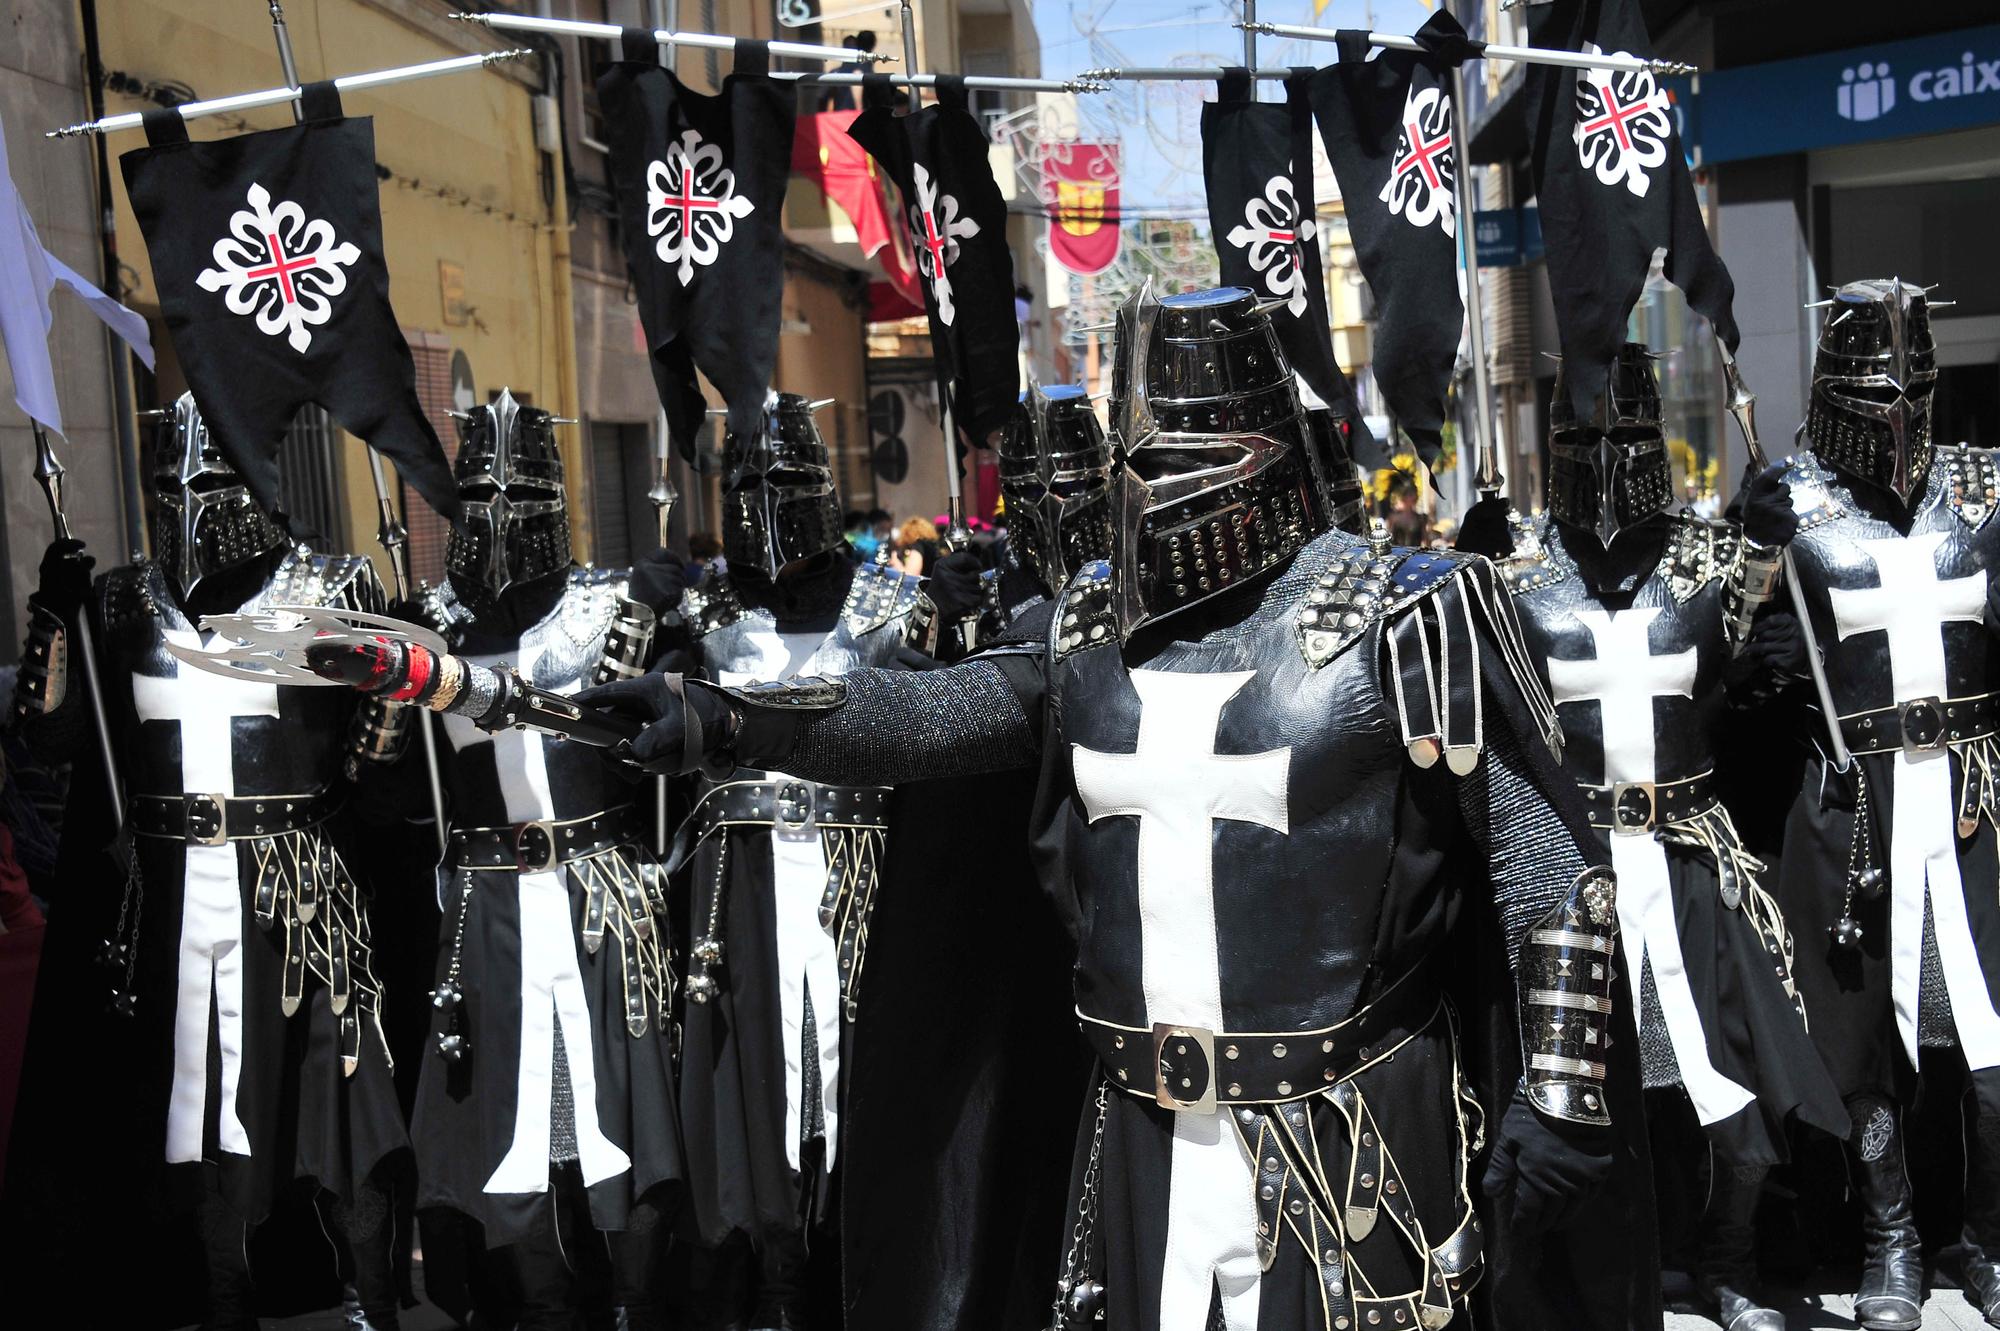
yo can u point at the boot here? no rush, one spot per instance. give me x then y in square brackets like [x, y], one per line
[781, 1290]
[225, 1239]
[1891, 1297]
[1728, 1271]
[1982, 1211]
[366, 1224]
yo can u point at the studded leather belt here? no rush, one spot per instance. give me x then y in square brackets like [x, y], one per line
[534, 846]
[212, 820]
[789, 806]
[1191, 1067]
[1922, 724]
[1630, 807]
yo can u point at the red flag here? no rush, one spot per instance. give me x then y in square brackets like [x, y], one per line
[1080, 191]
[822, 151]
[846, 174]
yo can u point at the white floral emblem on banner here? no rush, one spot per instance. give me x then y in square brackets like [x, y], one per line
[1426, 162]
[936, 228]
[1622, 125]
[280, 267]
[1272, 232]
[692, 204]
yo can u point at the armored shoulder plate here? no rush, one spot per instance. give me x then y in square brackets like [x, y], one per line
[129, 595]
[1816, 496]
[1360, 587]
[709, 605]
[1530, 566]
[1085, 617]
[1698, 552]
[878, 595]
[590, 602]
[443, 612]
[304, 578]
[1972, 481]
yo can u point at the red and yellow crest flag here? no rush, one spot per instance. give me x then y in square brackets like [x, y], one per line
[1080, 185]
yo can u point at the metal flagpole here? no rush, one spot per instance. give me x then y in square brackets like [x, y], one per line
[1486, 460]
[700, 40]
[1250, 31]
[1531, 55]
[390, 532]
[955, 532]
[49, 473]
[245, 101]
[665, 14]
[1742, 405]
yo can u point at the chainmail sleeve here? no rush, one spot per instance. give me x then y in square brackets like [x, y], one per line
[896, 726]
[1553, 893]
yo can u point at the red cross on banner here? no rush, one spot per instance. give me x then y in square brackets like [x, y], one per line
[282, 268]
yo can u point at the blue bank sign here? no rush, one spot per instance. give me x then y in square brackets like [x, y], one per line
[1925, 85]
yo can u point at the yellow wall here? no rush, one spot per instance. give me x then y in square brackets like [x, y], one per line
[470, 135]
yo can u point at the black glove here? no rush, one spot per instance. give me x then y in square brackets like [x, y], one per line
[1768, 517]
[1484, 530]
[65, 583]
[658, 579]
[659, 701]
[1777, 647]
[955, 586]
[913, 658]
[1541, 1171]
[409, 609]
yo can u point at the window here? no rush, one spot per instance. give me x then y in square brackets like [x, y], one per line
[309, 487]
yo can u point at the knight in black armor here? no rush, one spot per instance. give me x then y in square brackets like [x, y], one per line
[1278, 763]
[1889, 859]
[244, 1046]
[1631, 616]
[782, 870]
[546, 1109]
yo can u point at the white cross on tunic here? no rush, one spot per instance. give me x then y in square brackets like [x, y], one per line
[1624, 679]
[1178, 786]
[210, 969]
[551, 978]
[1912, 605]
[808, 961]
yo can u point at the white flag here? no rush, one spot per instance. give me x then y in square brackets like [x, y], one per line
[28, 273]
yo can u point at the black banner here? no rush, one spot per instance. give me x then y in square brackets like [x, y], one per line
[1256, 159]
[267, 250]
[938, 157]
[1614, 187]
[1387, 124]
[701, 195]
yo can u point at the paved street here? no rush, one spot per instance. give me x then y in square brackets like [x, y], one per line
[1945, 1310]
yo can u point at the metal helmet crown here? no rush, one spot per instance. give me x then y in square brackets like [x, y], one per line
[778, 500]
[1055, 474]
[206, 519]
[510, 480]
[1216, 478]
[1873, 380]
[1610, 474]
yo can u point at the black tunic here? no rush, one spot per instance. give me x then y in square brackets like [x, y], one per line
[1659, 726]
[1900, 616]
[527, 947]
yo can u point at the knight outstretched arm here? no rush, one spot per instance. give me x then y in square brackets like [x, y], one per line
[869, 727]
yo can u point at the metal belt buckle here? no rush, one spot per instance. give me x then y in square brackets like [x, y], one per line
[1184, 1067]
[795, 811]
[205, 809]
[1922, 724]
[1635, 807]
[526, 858]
